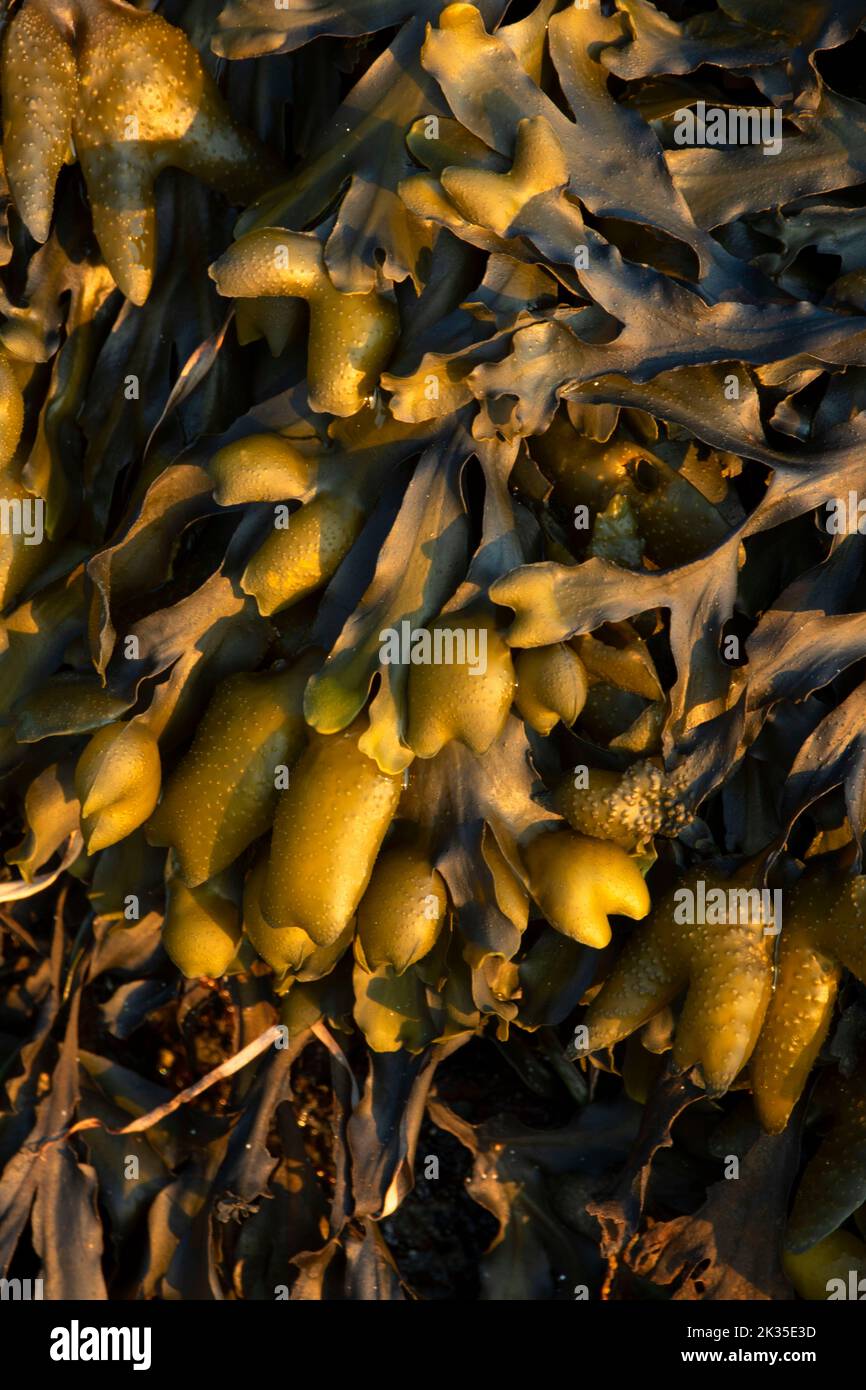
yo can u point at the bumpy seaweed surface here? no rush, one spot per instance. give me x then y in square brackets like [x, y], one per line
[433, 649]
